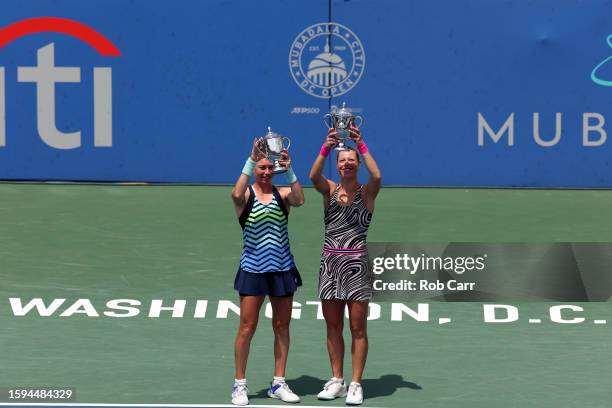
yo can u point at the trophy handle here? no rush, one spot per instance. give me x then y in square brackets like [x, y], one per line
[328, 124]
[258, 143]
[360, 121]
[288, 142]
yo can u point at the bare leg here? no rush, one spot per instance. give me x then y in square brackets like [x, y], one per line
[358, 318]
[333, 311]
[281, 317]
[249, 315]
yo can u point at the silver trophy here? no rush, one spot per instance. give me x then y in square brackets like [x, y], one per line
[341, 120]
[271, 146]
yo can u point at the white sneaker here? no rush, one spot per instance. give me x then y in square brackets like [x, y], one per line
[332, 389]
[282, 392]
[355, 394]
[240, 394]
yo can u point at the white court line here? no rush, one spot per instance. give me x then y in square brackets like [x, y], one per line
[76, 404]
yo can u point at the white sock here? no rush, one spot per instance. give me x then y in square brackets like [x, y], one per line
[278, 380]
[354, 383]
[237, 381]
[337, 379]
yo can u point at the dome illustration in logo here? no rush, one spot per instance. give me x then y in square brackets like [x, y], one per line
[326, 69]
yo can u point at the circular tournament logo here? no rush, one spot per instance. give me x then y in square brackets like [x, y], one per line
[326, 60]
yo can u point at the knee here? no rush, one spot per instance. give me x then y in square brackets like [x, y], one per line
[358, 331]
[335, 328]
[247, 330]
[280, 327]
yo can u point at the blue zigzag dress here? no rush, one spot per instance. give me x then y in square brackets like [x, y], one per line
[266, 265]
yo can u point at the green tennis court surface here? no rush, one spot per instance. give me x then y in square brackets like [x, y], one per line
[169, 243]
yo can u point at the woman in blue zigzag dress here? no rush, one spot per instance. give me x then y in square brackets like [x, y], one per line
[266, 266]
[344, 275]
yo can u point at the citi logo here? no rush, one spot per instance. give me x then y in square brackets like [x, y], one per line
[45, 75]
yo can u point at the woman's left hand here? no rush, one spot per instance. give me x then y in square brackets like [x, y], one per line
[285, 160]
[355, 135]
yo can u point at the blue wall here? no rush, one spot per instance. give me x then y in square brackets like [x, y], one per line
[197, 80]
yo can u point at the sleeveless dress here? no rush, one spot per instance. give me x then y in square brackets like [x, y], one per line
[266, 264]
[344, 272]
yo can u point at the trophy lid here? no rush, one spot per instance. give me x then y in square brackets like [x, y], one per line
[344, 111]
[271, 133]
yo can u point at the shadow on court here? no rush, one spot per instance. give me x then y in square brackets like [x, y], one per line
[384, 386]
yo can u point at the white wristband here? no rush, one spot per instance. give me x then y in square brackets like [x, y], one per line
[249, 166]
[290, 176]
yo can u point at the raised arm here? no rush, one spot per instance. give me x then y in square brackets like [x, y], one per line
[373, 186]
[293, 195]
[323, 185]
[240, 191]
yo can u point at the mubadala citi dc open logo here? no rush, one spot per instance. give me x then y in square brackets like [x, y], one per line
[326, 60]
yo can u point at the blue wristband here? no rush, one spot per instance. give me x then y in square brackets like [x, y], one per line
[249, 166]
[290, 176]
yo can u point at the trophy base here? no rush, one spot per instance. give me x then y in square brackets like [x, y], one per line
[341, 148]
[279, 170]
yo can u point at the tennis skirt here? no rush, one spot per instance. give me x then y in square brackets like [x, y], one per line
[278, 284]
[345, 277]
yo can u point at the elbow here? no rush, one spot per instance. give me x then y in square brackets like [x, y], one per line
[376, 177]
[235, 194]
[296, 199]
[314, 177]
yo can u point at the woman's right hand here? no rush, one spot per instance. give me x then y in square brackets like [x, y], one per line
[332, 138]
